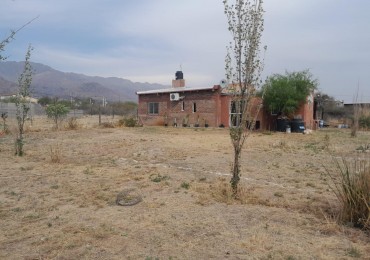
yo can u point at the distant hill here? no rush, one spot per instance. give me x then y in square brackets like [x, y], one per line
[7, 87]
[47, 81]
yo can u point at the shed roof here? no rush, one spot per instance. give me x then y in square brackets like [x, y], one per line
[173, 90]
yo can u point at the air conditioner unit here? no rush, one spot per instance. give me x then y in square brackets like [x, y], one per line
[174, 96]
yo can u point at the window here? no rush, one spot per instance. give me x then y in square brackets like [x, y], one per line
[194, 107]
[183, 106]
[153, 108]
[236, 108]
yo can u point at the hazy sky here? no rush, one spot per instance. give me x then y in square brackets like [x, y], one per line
[148, 40]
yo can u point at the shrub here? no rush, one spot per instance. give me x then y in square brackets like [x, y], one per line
[72, 123]
[158, 177]
[222, 192]
[128, 122]
[185, 185]
[352, 188]
[107, 125]
[364, 121]
[57, 112]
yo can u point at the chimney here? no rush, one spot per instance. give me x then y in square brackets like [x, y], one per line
[179, 81]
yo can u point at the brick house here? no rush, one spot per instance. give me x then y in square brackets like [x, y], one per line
[200, 106]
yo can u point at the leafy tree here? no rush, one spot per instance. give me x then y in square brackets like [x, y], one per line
[124, 108]
[65, 103]
[285, 93]
[21, 102]
[57, 112]
[44, 101]
[9, 100]
[243, 69]
[327, 106]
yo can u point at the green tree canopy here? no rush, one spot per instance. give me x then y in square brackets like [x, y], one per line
[45, 101]
[57, 112]
[285, 93]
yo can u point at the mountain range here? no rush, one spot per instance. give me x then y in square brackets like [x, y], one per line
[49, 82]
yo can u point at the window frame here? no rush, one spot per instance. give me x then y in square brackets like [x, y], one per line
[235, 112]
[153, 108]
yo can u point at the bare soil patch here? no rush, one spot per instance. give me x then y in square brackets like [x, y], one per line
[59, 201]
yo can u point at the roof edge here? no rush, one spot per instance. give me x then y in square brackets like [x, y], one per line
[173, 90]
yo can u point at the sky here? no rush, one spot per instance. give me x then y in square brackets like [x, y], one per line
[148, 41]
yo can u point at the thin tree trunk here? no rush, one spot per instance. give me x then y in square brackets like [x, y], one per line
[99, 115]
[236, 171]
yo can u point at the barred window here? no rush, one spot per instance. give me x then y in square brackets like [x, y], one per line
[153, 108]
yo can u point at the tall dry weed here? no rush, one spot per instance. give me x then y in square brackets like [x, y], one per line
[55, 153]
[72, 124]
[352, 188]
[222, 192]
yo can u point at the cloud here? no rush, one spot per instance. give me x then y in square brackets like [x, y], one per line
[149, 40]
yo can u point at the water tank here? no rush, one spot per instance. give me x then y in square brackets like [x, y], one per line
[281, 124]
[179, 75]
[297, 126]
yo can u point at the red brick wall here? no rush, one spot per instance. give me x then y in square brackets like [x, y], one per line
[207, 105]
[225, 113]
[212, 108]
[306, 111]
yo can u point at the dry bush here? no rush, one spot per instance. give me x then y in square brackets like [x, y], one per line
[330, 226]
[281, 144]
[121, 122]
[352, 188]
[72, 124]
[55, 153]
[128, 122]
[6, 131]
[223, 192]
[107, 125]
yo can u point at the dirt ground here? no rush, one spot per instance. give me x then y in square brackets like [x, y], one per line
[59, 200]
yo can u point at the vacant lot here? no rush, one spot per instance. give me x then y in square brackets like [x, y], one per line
[59, 200]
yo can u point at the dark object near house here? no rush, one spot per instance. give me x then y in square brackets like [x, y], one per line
[179, 75]
[282, 124]
[323, 123]
[297, 126]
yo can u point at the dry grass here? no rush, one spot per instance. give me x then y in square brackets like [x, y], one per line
[72, 124]
[67, 210]
[55, 153]
[352, 187]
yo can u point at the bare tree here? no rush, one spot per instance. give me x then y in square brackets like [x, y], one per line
[22, 101]
[24, 84]
[356, 114]
[243, 71]
[4, 42]
[10, 37]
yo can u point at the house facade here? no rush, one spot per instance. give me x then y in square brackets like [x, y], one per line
[180, 106]
[211, 106]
